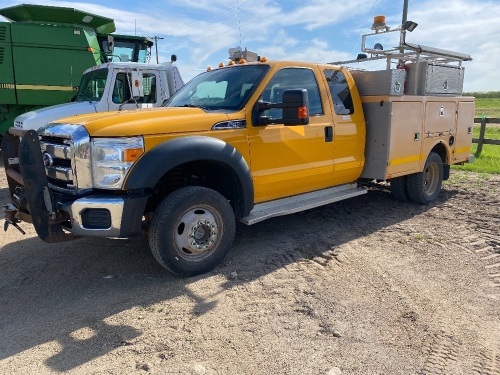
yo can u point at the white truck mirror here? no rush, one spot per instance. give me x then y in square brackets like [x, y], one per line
[136, 84]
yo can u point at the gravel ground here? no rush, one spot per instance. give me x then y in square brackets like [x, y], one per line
[366, 286]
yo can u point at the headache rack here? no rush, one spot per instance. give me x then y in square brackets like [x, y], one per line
[427, 70]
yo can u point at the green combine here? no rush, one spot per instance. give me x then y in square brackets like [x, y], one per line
[44, 51]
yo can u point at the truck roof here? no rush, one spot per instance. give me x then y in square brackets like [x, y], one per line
[283, 63]
[29, 13]
[129, 65]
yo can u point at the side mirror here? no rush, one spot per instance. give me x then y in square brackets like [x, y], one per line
[111, 44]
[136, 84]
[295, 107]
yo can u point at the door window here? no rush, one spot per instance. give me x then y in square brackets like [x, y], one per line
[149, 84]
[292, 78]
[121, 90]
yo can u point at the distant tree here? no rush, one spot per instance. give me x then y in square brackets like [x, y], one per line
[483, 94]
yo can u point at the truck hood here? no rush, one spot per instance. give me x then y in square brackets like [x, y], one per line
[148, 121]
[40, 117]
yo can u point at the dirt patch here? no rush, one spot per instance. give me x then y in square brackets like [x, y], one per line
[366, 286]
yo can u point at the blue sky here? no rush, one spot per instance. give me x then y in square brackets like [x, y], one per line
[200, 32]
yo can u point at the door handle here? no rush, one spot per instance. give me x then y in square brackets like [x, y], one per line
[328, 134]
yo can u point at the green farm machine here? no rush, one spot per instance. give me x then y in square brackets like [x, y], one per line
[44, 51]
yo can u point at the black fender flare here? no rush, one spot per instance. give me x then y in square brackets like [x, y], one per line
[148, 170]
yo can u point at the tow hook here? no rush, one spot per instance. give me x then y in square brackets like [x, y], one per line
[11, 217]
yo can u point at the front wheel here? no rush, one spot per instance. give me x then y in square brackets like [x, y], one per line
[192, 230]
[424, 187]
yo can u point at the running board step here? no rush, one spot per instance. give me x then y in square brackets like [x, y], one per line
[302, 202]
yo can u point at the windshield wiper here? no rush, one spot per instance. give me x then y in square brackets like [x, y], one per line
[194, 106]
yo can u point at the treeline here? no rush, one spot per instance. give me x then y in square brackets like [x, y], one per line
[482, 95]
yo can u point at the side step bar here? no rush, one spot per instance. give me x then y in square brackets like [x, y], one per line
[301, 202]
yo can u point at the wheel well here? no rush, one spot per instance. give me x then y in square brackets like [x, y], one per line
[210, 174]
[441, 150]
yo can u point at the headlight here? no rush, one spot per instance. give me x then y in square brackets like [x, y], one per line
[112, 158]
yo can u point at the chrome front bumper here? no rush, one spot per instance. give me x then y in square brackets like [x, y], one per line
[100, 216]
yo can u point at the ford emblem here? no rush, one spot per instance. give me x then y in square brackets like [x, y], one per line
[48, 161]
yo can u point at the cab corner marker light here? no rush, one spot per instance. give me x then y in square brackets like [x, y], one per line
[302, 114]
[230, 63]
[209, 68]
[242, 61]
[90, 49]
[263, 59]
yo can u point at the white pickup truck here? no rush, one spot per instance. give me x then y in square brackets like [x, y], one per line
[111, 87]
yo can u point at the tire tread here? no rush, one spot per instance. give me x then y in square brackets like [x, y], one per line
[163, 212]
[415, 182]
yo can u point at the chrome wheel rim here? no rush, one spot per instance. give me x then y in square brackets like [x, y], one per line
[197, 233]
[431, 178]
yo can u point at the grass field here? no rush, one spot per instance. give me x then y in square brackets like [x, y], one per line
[489, 160]
[490, 107]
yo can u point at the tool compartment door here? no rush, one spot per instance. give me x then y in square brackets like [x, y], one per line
[463, 132]
[405, 138]
[439, 125]
[394, 128]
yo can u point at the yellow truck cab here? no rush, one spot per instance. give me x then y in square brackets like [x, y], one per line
[246, 142]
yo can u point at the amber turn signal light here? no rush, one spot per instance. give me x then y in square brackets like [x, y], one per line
[131, 154]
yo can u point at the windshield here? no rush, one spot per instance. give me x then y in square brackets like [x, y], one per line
[92, 86]
[227, 88]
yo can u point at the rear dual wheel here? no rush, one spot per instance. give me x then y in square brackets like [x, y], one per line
[399, 188]
[423, 187]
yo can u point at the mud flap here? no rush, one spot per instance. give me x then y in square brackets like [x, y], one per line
[10, 149]
[37, 190]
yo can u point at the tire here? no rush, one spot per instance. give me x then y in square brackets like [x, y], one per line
[424, 187]
[192, 230]
[399, 188]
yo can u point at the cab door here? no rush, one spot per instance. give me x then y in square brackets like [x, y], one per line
[349, 130]
[121, 95]
[289, 160]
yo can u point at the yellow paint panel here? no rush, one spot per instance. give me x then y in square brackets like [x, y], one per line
[405, 160]
[289, 160]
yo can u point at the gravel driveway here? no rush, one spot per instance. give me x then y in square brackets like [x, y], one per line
[366, 286]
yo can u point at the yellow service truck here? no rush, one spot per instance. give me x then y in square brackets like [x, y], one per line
[247, 141]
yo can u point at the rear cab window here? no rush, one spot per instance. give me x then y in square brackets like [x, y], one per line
[339, 89]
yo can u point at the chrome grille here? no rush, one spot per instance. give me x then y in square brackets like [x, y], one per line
[57, 158]
[65, 150]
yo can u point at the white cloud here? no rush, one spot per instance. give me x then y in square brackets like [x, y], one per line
[469, 27]
[201, 31]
